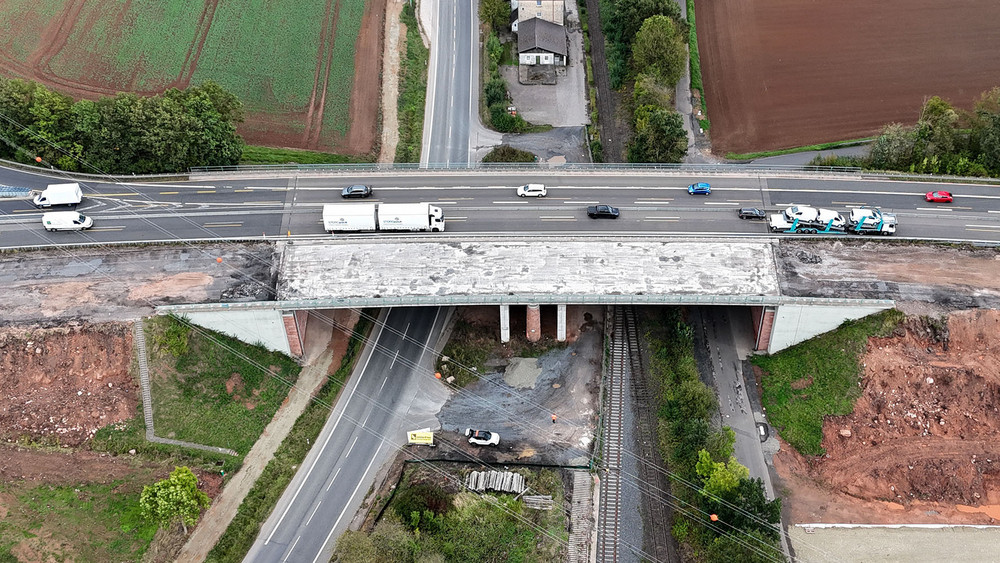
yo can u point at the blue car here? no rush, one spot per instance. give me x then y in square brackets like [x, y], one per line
[701, 188]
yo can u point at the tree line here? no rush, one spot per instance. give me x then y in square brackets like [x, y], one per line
[123, 134]
[720, 513]
[647, 55]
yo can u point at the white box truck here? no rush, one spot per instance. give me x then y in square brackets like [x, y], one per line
[348, 217]
[410, 217]
[355, 217]
[59, 194]
[66, 221]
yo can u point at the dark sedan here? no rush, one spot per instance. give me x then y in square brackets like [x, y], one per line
[602, 212]
[751, 213]
[356, 191]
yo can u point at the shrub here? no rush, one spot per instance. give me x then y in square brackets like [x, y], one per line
[507, 153]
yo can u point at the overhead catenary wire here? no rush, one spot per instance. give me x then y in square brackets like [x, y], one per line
[252, 280]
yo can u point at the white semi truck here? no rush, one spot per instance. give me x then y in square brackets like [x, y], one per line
[59, 194]
[356, 217]
[811, 220]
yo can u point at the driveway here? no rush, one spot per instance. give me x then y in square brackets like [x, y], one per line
[565, 103]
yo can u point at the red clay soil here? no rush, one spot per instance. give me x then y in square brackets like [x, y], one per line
[60, 385]
[298, 129]
[920, 446]
[787, 73]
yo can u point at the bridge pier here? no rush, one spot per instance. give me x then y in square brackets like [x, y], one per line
[534, 323]
[504, 323]
[561, 322]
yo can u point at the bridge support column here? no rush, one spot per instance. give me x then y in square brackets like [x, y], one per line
[504, 323]
[561, 322]
[534, 322]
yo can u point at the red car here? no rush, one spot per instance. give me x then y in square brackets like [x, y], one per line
[938, 197]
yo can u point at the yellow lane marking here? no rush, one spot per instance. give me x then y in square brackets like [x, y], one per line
[205, 192]
[169, 193]
[211, 225]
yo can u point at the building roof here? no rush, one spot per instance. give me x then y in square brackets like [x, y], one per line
[540, 34]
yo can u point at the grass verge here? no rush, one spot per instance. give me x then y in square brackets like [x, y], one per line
[212, 389]
[253, 154]
[259, 502]
[819, 147]
[693, 52]
[818, 377]
[51, 520]
[412, 90]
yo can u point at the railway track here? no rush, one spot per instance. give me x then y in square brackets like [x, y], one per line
[608, 527]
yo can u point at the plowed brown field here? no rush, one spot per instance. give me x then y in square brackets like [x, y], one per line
[788, 73]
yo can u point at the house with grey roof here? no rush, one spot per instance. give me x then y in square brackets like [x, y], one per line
[541, 42]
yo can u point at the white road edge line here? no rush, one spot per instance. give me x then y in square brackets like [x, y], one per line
[349, 500]
[346, 400]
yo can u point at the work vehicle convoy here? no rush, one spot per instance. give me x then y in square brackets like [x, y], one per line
[59, 194]
[358, 217]
[812, 220]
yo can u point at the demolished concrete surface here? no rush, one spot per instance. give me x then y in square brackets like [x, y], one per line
[922, 278]
[125, 283]
[558, 268]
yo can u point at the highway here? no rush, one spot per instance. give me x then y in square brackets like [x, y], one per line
[449, 118]
[380, 402]
[479, 203]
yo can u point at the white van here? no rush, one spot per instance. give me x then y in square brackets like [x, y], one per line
[59, 194]
[66, 221]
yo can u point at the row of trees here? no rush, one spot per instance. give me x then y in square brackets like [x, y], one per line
[945, 140]
[647, 55]
[124, 134]
[707, 479]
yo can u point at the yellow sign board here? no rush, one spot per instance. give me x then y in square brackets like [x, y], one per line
[421, 437]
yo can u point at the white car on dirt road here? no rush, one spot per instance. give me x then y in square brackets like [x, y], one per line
[482, 437]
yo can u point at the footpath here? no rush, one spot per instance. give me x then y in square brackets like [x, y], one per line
[215, 521]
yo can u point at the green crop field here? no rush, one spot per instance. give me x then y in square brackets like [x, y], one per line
[271, 54]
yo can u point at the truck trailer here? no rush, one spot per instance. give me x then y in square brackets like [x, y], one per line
[59, 194]
[808, 220]
[358, 217]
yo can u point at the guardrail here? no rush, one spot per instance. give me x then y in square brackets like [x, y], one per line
[519, 166]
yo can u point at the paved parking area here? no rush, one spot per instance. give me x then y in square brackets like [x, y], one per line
[565, 103]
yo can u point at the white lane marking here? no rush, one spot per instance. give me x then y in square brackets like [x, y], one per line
[937, 209]
[661, 218]
[849, 203]
[573, 202]
[383, 384]
[640, 202]
[983, 226]
[340, 417]
[394, 358]
[313, 513]
[556, 217]
[351, 449]
[333, 479]
[362, 481]
[446, 202]
[721, 203]
[291, 548]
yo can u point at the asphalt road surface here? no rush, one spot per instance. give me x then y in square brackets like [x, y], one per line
[448, 120]
[381, 400]
[485, 203]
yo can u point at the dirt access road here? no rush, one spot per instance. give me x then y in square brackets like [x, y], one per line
[784, 73]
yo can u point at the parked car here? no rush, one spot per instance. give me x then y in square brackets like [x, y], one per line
[751, 213]
[482, 437]
[938, 197]
[356, 191]
[602, 212]
[763, 431]
[532, 190]
[701, 188]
